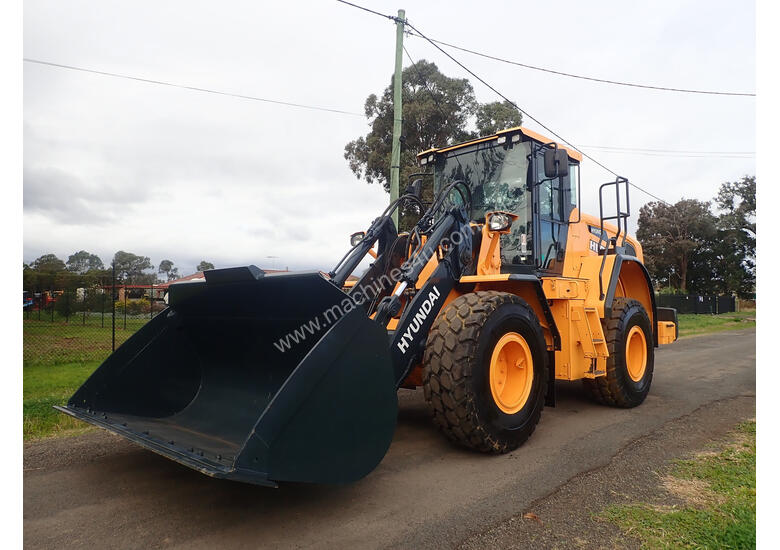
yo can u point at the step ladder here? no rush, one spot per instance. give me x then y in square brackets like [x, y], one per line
[591, 338]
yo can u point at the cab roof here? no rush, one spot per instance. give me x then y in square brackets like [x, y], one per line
[573, 154]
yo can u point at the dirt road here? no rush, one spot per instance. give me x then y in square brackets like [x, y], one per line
[97, 490]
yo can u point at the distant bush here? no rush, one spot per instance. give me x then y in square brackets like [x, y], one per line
[135, 306]
[93, 300]
[66, 304]
[670, 291]
[138, 306]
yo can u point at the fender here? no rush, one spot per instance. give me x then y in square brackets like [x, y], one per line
[536, 282]
[620, 261]
[513, 282]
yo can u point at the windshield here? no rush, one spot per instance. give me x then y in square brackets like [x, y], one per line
[497, 176]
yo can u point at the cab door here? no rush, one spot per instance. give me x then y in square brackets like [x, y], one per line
[551, 213]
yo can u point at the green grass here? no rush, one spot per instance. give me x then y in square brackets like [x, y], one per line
[58, 342]
[46, 386]
[57, 358]
[693, 325]
[723, 517]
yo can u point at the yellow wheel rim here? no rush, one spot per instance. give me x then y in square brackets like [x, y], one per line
[511, 372]
[636, 353]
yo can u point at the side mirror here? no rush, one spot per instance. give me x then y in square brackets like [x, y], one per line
[556, 163]
[414, 188]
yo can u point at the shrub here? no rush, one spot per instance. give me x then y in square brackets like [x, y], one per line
[66, 304]
[135, 306]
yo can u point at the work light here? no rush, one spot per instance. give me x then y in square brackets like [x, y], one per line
[499, 221]
[355, 238]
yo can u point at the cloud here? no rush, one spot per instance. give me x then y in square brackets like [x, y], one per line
[69, 200]
[112, 164]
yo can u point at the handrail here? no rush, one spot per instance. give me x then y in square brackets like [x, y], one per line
[620, 216]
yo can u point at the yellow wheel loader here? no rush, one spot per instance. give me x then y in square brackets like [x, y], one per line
[500, 289]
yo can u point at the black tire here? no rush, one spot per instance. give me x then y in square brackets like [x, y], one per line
[617, 388]
[456, 371]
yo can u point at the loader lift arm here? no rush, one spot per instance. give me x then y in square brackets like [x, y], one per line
[409, 338]
[382, 229]
[407, 341]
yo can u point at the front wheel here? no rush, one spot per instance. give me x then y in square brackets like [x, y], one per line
[629, 337]
[485, 371]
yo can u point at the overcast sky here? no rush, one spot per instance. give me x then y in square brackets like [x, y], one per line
[111, 164]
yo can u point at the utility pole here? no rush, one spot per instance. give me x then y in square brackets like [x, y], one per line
[395, 157]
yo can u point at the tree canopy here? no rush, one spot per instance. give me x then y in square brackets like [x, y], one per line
[688, 248]
[130, 268]
[738, 201]
[169, 270]
[82, 262]
[50, 273]
[48, 263]
[735, 246]
[85, 270]
[437, 111]
[496, 116]
[671, 235]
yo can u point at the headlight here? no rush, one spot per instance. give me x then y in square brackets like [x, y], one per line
[499, 221]
[355, 238]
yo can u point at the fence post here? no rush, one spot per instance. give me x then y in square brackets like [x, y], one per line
[151, 301]
[113, 307]
[125, 289]
[103, 308]
[84, 308]
[52, 308]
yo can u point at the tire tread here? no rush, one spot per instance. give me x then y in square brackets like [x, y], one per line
[607, 389]
[452, 346]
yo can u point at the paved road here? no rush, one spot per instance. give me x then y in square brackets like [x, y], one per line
[97, 490]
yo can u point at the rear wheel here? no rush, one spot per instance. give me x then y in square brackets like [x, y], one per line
[485, 371]
[629, 337]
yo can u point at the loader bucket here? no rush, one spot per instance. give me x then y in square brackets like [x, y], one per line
[252, 377]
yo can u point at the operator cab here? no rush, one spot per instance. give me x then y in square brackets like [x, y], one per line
[506, 172]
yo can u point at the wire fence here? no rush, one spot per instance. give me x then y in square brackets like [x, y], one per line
[84, 324]
[699, 304]
[77, 319]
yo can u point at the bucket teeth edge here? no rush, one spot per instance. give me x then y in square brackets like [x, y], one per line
[180, 456]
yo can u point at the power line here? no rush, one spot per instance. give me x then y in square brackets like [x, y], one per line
[582, 77]
[669, 156]
[553, 71]
[526, 113]
[338, 111]
[607, 147]
[672, 154]
[191, 88]
[393, 17]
